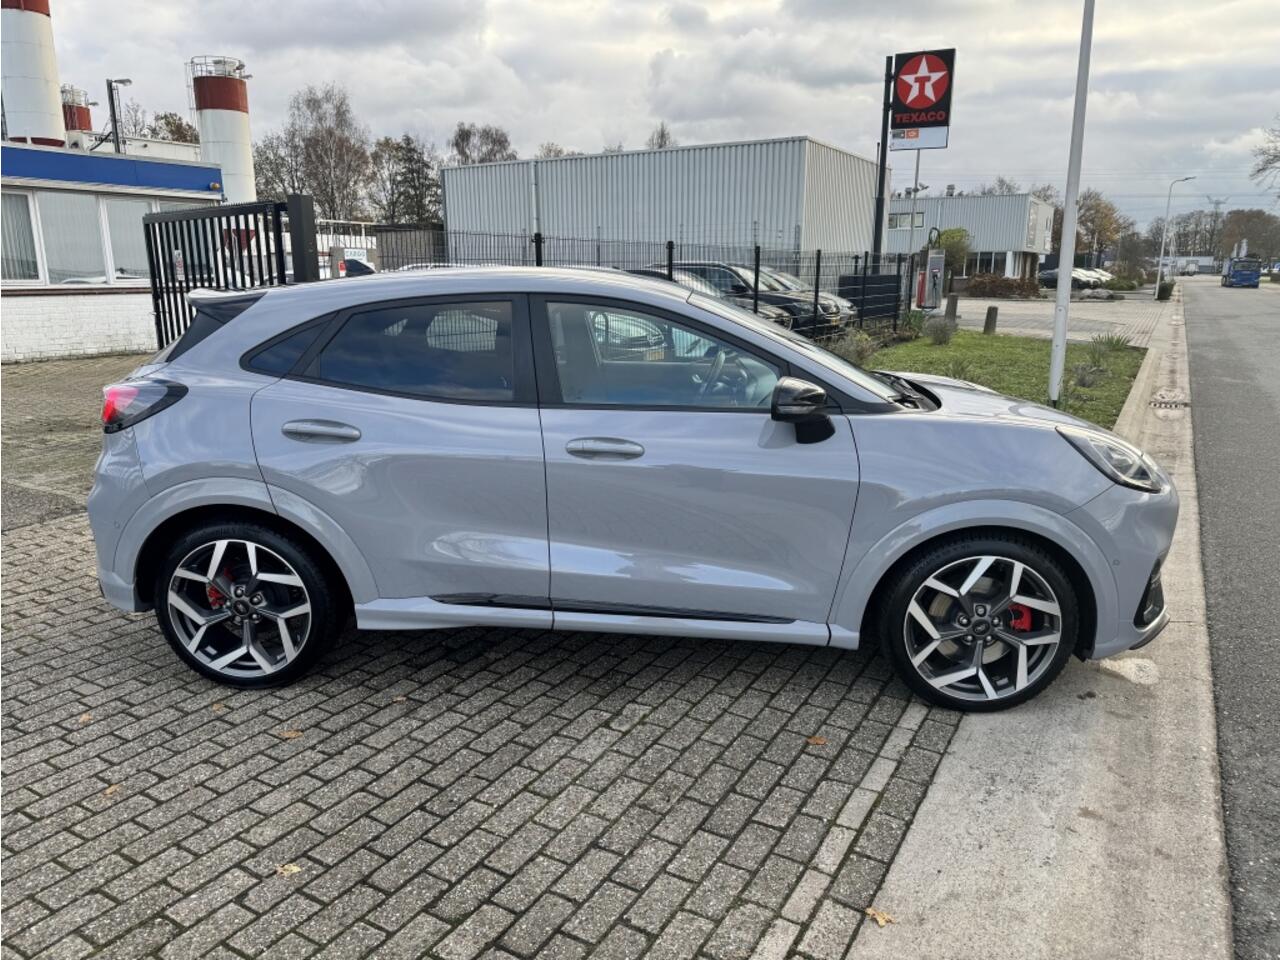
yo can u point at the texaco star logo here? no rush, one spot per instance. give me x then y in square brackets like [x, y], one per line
[922, 82]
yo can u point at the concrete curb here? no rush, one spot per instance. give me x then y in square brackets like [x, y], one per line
[1088, 822]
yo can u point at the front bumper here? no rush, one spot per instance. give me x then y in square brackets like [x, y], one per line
[1134, 531]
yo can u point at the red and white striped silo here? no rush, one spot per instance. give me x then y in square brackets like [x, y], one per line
[75, 110]
[222, 114]
[29, 69]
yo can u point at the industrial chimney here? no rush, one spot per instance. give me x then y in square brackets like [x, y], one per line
[32, 106]
[75, 110]
[222, 114]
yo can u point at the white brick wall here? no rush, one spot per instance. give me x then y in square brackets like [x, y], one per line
[43, 327]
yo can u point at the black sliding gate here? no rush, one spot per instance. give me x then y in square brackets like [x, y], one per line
[232, 247]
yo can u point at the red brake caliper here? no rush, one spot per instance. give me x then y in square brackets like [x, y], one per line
[216, 597]
[1020, 617]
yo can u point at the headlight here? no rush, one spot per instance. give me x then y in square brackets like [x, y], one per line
[1119, 461]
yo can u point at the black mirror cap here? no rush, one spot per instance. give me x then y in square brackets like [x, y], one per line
[798, 401]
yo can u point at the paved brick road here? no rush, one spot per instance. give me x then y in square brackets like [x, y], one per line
[445, 794]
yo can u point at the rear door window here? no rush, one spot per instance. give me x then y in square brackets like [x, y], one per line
[448, 351]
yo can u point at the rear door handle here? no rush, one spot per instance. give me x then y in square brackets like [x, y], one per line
[320, 431]
[604, 448]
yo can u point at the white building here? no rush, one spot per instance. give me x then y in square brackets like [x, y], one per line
[791, 193]
[1008, 233]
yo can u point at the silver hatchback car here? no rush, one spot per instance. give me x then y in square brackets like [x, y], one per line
[583, 451]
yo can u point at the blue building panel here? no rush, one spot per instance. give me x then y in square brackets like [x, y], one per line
[80, 167]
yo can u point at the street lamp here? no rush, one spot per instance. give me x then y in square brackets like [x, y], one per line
[111, 102]
[1164, 235]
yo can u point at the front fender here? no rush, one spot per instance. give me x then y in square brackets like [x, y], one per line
[863, 573]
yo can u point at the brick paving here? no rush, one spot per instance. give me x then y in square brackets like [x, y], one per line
[1135, 316]
[451, 794]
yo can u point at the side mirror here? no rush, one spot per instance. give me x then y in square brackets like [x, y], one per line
[798, 401]
[739, 289]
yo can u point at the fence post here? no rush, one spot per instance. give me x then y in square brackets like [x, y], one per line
[817, 280]
[989, 324]
[755, 286]
[897, 296]
[862, 292]
[671, 259]
[911, 280]
[302, 238]
[537, 248]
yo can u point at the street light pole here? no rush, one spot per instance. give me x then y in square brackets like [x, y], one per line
[115, 114]
[1164, 235]
[915, 192]
[1067, 243]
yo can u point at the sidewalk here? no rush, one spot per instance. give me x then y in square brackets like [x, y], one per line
[1137, 316]
[1086, 823]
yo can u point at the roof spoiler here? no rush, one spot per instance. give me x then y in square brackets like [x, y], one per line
[223, 305]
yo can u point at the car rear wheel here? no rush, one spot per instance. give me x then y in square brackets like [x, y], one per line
[980, 623]
[245, 605]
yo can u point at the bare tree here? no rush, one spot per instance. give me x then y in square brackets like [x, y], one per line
[132, 119]
[549, 151]
[173, 126]
[1002, 187]
[278, 167]
[1266, 167]
[472, 143]
[661, 138]
[614, 147]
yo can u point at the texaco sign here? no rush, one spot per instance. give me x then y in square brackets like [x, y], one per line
[920, 114]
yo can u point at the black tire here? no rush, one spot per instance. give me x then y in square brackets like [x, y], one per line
[327, 604]
[910, 578]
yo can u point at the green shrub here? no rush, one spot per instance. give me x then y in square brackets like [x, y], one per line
[856, 346]
[1165, 291]
[1087, 374]
[939, 330]
[1120, 283]
[958, 368]
[992, 286]
[1111, 342]
[913, 322]
[1097, 353]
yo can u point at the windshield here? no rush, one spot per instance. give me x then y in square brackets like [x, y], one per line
[1248, 265]
[787, 280]
[694, 283]
[873, 385]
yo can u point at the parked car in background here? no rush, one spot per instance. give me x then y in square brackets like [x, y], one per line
[695, 283]
[733, 280]
[1081, 278]
[593, 451]
[789, 282]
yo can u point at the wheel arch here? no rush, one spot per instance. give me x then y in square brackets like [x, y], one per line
[1089, 571]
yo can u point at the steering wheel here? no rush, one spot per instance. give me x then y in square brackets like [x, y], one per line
[717, 367]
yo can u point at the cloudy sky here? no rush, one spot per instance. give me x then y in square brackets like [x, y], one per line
[1177, 87]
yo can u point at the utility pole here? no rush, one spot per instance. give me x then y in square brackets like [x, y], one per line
[1211, 241]
[877, 232]
[112, 96]
[1067, 245]
[1164, 235]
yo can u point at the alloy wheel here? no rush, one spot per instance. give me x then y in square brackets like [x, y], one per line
[982, 628]
[239, 608]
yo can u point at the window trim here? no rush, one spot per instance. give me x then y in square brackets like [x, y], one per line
[548, 376]
[524, 390]
[37, 239]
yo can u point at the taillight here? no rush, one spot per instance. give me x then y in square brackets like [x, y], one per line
[124, 404]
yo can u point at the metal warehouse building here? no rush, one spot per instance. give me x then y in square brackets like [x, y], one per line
[794, 193]
[1008, 233]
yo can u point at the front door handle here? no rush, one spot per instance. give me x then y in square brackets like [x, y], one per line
[320, 431]
[604, 448]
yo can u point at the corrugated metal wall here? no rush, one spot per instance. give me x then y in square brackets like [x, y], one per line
[994, 223]
[840, 200]
[776, 192]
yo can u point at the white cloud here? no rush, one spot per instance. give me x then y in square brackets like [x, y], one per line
[1176, 86]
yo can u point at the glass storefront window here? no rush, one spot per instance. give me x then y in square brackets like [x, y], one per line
[72, 237]
[18, 242]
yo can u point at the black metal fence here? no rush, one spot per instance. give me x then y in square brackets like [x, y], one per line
[824, 294]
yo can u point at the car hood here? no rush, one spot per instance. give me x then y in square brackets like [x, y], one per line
[962, 398]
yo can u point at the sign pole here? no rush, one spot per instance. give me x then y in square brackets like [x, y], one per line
[877, 233]
[915, 192]
[1067, 244]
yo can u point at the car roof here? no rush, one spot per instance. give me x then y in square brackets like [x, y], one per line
[326, 295]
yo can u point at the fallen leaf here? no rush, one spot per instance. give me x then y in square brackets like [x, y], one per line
[218, 707]
[289, 734]
[399, 699]
[112, 790]
[879, 916]
[817, 741]
[287, 869]
[85, 718]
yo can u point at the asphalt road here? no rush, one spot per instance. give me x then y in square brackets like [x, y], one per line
[1234, 344]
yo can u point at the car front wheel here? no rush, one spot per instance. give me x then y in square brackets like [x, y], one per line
[245, 605]
[980, 623]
